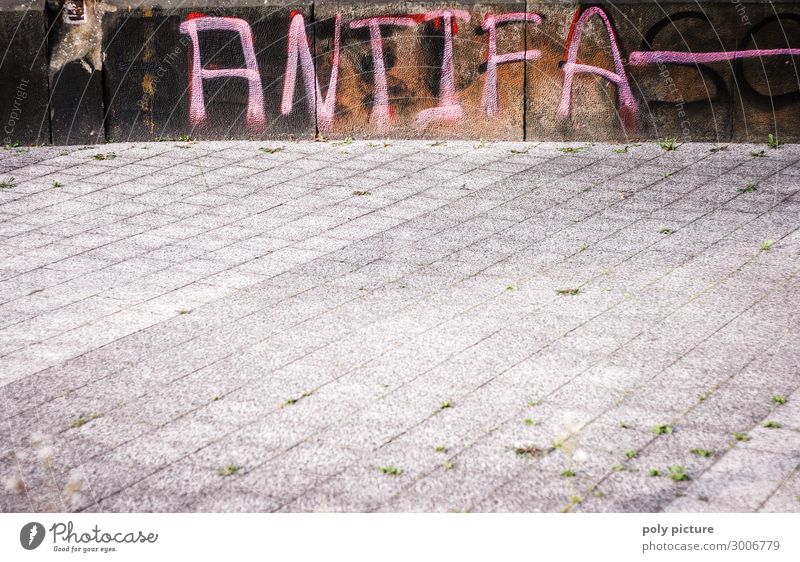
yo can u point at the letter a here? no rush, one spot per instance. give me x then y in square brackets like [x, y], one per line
[255, 98]
[627, 104]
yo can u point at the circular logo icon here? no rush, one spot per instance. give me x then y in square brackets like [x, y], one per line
[31, 535]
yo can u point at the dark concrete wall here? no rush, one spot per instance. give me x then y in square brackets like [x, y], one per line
[24, 89]
[700, 70]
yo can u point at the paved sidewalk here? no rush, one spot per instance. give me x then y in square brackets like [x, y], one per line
[399, 326]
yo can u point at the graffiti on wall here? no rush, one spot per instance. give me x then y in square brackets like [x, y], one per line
[303, 70]
[476, 70]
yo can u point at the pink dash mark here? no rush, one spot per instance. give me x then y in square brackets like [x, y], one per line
[324, 107]
[255, 97]
[381, 113]
[489, 101]
[641, 58]
[627, 103]
[448, 109]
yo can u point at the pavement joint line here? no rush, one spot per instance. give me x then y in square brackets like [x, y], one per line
[793, 474]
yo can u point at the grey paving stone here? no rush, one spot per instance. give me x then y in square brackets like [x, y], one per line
[258, 314]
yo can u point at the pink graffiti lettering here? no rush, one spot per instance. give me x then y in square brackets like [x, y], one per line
[489, 101]
[448, 109]
[323, 107]
[255, 98]
[627, 103]
[381, 112]
[641, 58]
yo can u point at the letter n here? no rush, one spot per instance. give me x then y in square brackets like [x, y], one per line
[627, 104]
[255, 98]
[323, 107]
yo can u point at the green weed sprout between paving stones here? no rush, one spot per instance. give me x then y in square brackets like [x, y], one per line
[362, 193]
[632, 454]
[702, 452]
[7, 183]
[779, 399]
[438, 143]
[390, 470]
[529, 421]
[567, 292]
[678, 473]
[573, 501]
[440, 449]
[758, 154]
[573, 149]
[741, 436]
[773, 141]
[106, 156]
[293, 401]
[766, 245]
[448, 465]
[82, 420]
[719, 148]
[654, 472]
[662, 429]
[228, 470]
[772, 424]
[347, 140]
[666, 231]
[58, 184]
[668, 144]
[624, 425]
[272, 149]
[511, 288]
[569, 473]
[445, 405]
[518, 151]
[749, 188]
[183, 311]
